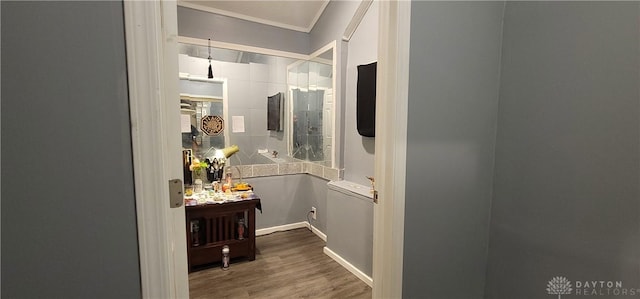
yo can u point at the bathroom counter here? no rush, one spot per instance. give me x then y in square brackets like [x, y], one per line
[351, 188]
[212, 226]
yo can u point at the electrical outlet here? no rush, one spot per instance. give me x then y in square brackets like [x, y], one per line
[315, 213]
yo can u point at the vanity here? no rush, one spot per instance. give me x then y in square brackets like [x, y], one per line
[212, 226]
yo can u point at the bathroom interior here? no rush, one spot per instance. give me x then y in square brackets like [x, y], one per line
[522, 146]
[332, 174]
[308, 154]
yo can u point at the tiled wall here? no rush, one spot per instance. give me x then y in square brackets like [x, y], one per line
[261, 170]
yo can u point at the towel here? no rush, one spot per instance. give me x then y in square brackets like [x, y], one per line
[366, 100]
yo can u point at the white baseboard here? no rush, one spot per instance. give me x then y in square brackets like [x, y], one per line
[281, 228]
[364, 277]
[318, 233]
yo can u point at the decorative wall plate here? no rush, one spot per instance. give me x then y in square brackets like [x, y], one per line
[212, 125]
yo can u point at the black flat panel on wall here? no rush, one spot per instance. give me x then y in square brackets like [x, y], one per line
[366, 100]
[275, 110]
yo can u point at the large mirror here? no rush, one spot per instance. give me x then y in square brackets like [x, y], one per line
[251, 81]
[275, 108]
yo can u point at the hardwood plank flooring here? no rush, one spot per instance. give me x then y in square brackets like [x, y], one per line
[288, 264]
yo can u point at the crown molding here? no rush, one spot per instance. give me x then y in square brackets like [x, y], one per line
[255, 19]
[356, 19]
[238, 47]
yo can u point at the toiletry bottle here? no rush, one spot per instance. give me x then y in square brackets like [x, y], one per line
[195, 233]
[225, 257]
[241, 229]
[227, 185]
[197, 186]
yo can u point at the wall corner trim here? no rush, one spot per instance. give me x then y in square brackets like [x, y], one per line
[318, 233]
[361, 11]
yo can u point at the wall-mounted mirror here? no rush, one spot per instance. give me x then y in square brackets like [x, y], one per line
[250, 80]
[311, 93]
[201, 98]
[277, 109]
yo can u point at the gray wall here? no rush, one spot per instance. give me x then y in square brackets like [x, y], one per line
[359, 151]
[287, 199]
[68, 214]
[567, 153]
[350, 227]
[331, 24]
[453, 94]
[204, 25]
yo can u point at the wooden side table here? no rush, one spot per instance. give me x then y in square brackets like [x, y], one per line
[212, 226]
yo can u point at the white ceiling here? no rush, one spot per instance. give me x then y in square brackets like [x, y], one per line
[299, 15]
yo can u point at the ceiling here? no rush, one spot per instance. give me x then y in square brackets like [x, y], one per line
[299, 15]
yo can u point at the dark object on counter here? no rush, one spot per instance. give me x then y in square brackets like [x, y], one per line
[214, 170]
[366, 100]
[186, 172]
[212, 173]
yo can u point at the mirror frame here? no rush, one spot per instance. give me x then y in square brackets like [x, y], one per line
[204, 98]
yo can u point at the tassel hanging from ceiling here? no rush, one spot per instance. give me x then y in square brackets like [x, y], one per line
[210, 74]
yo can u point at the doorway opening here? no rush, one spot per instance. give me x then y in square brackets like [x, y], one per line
[151, 51]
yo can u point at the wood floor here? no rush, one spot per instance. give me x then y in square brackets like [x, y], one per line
[288, 264]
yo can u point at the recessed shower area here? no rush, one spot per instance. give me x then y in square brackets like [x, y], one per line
[311, 93]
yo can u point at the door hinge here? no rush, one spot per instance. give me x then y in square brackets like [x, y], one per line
[175, 193]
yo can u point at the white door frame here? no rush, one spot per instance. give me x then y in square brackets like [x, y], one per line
[152, 66]
[391, 147]
[152, 63]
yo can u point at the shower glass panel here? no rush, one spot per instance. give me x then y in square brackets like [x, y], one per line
[308, 125]
[311, 92]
